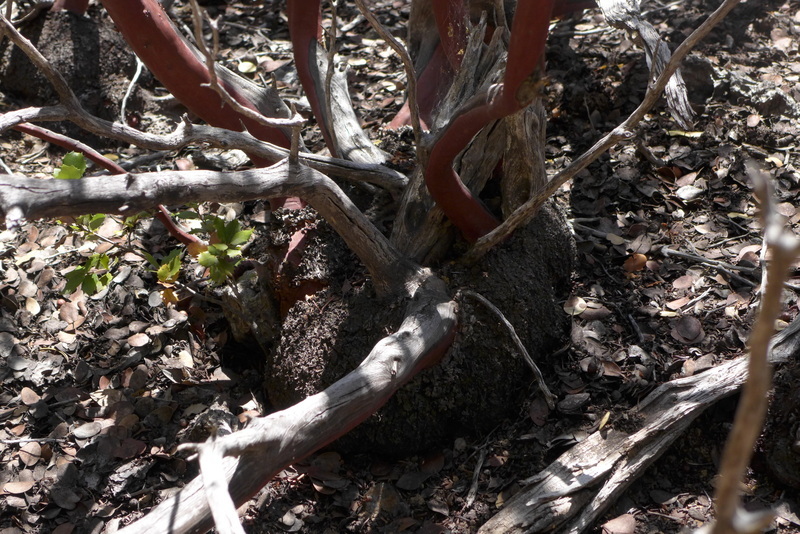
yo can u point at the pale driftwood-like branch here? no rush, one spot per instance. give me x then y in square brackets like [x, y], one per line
[783, 248]
[26, 198]
[329, 74]
[271, 443]
[223, 509]
[624, 131]
[71, 109]
[187, 134]
[574, 491]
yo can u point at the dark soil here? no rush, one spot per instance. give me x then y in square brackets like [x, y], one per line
[109, 384]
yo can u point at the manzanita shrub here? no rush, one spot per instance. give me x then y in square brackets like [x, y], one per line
[154, 38]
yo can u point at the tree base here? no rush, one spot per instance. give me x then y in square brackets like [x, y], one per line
[482, 379]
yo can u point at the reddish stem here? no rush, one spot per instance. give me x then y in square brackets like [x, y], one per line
[565, 7]
[431, 84]
[78, 7]
[525, 54]
[153, 38]
[305, 28]
[451, 17]
[71, 144]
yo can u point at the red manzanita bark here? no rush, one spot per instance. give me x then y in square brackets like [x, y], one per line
[305, 30]
[78, 7]
[520, 86]
[451, 19]
[153, 37]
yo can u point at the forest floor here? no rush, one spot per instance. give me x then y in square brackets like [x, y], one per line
[99, 388]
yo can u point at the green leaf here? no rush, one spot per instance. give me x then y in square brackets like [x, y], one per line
[73, 167]
[150, 259]
[105, 279]
[221, 272]
[207, 259]
[241, 237]
[170, 267]
[76, 160]
[187, 215]
[90, 284]
[218, 249]
[96, 221]
[74, 279]
[68, 172]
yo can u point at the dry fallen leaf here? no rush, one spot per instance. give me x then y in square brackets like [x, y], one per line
[624, 524]
[17, 487]
[636, 262]
[575, 305]
[688, 329]
[28, 396]
[30, 453]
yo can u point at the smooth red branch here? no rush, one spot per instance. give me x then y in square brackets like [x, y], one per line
[305, 30]
[521, 85]
[153, 37]
[451, 17]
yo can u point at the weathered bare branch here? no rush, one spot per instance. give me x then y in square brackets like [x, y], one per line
[624, 131]
[575, 490]
[411, 77]
[71, 109]
[26, 198]
[187, 134]
[273, 442]
[783, 248]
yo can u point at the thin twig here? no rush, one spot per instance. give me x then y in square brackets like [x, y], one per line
[624, 131]
[721, 266]
[784, 248]
[548, 396]
[271, 122]
[668, 252]
[32, 440]
[476, 475]
[329, 78]
[129, 90]
[411, 76]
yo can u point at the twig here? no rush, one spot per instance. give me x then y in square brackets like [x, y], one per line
[624, 131]
[129, 193]
[192, 134]
[329, 78]
[411, 76]
[476, 474]
[723, 267]
[31, 440]
[216, 487]
[5, 167]
[163, 215]
[186, 133]
[668, 252]
[784, 248]
[295, 120]
[129, 90]
[548, 396]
